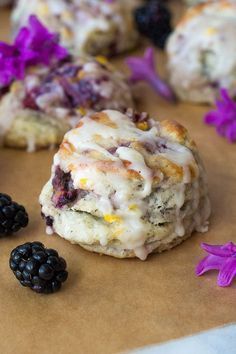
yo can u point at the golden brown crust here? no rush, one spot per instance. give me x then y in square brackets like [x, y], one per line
[102, 118]
[171, 130]
[114, 252]
[199, 8]
[175, 131]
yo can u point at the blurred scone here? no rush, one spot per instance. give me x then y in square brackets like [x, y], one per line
[39, 110]
[202, 52]
[195, 2]
[126, 186]
[86, 26]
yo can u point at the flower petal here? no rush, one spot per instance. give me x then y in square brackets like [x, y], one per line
[211, 117]
[209, 263]
[219, 250]
[227, 273]
[149, 58]
[224, 117]
[143, 69]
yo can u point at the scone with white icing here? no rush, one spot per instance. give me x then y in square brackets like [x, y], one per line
[126, 186]
[202, 52]
[37, 111]
[86, 26]
[195, 2]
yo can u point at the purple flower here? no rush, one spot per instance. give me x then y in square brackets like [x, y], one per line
[222, 258]
[224, 117]
[33, 45]
[143, 69]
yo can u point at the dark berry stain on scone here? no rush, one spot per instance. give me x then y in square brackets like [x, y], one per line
[51, 100]
[64, 191]
[80, 93]
[48, 219]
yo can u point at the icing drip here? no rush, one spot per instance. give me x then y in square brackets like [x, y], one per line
[119, 176]
[49, 230]
[31, 144]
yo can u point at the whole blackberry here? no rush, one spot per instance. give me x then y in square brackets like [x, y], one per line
[12, 216]
[153, 20]
[38, 268]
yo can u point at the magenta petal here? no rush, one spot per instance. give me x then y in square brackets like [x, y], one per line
[218, 250]
[143, 69]
[231, 133]
[149, 58]
[227, 273]
[209, 263]
[211, 117]
[224, 117]
[33, 45]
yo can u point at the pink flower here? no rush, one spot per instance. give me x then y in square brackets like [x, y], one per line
[224, 117]
[143, 69]
[33, 45]
[222, 258]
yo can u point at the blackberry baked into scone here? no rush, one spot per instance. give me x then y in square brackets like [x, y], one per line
[126, 186]
[202, 51]
[85, 26]
[37, 111]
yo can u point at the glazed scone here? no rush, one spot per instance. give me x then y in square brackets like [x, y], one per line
[126, 186]
[39, 110]
[202, 52]
[195, 2]
[86, 26]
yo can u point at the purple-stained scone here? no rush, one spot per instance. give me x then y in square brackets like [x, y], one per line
[202, 51]
[126, 186]
[37, 111]
[86, 26]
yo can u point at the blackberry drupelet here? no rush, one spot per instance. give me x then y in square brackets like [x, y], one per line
[12, 216]
[153, 20]
[38, 268]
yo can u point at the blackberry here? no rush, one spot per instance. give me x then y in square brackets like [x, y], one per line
[64, 192]
[39, 268]
[12, 216]
[153, 20]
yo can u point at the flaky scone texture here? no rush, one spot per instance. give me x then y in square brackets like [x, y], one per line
[202, 52]
[196, 2]
[38, 111]
[126, 186]
[86, 26]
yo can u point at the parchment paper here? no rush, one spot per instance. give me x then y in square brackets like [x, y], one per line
[109, 305]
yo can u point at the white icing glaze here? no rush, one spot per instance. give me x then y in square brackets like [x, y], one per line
[8, 108]
[49, 230]
[81, 21]
[205, 39]
[31, 144]
[105, 174]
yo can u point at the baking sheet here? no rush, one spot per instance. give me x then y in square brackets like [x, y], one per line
[109, 305]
